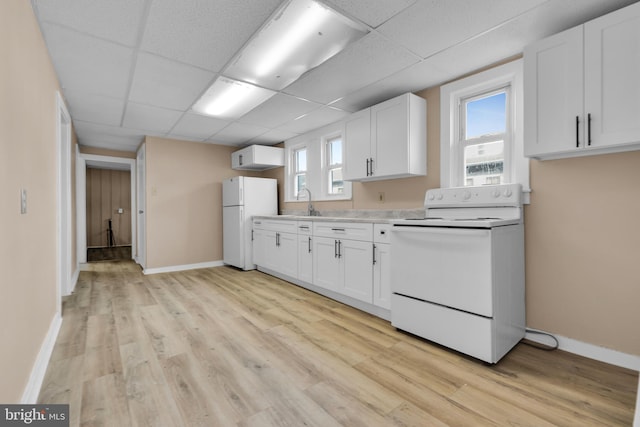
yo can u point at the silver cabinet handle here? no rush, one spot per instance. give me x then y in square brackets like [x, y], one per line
[309, 244]
[374, 254]
[140, 211]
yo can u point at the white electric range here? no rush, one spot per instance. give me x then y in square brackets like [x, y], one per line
[457, 275]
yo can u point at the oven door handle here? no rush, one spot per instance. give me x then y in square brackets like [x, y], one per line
[450, 231]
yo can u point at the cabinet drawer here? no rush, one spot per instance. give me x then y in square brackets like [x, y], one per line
[284, 226]
[305, 227]
[382, 233]
[344, 230]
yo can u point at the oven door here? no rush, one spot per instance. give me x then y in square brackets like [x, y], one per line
[446, 266]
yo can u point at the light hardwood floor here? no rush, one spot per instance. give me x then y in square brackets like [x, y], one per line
[221, 347]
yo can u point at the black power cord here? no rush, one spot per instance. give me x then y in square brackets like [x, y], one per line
[542, 346]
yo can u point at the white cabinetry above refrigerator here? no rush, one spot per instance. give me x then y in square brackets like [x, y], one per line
[257, 157]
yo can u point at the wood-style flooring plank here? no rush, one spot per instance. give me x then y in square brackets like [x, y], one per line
[223, 347]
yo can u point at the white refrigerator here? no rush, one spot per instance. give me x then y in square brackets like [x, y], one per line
[242, 198]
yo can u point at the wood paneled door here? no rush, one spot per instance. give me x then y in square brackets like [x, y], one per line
[108, 197]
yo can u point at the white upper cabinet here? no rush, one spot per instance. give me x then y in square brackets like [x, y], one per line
[582, 91]
[257, 157]
[394, 145]
[357, 137]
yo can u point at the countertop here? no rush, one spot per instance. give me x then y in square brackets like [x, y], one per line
[325, 218]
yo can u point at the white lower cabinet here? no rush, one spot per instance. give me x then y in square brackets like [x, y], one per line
[275, 246]
[382, 265]
[259, 238]
[282, 256]
[357, 258]
[346, 258]
[343, 256]
[328, 272]
[305, 251]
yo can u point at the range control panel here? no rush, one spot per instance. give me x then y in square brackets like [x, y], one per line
[484, 196]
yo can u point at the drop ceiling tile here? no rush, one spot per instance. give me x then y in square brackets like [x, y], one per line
[94, 108]
[203, 33]
[371, 12]
[164, 83]
[315, 119]
[237, 133]
[98, 135]
[368, 60]
[417, 77]
[274, 136]
[196, 126]
[150, 119]
[114, 20]
[87, 64]
[430, 26]
[509, 39]
[278, 110]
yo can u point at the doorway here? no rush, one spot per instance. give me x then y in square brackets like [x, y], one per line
[108, 208]
[84, 162]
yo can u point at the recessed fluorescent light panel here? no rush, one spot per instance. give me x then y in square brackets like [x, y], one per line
[230, 99]
[299, 37]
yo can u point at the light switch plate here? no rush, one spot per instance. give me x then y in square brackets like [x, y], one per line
[23, 201]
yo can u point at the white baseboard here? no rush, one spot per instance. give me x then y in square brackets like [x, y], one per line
[173, 268]
[591, 351]
[31, 391]
[74, 279]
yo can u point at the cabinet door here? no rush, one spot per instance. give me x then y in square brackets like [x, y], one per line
[271, 257]
[286, 253]
[357, 139]
[553, 94]
[259, 246]
[329, 271]
[612, 69]
[389, 137]
[357, 258]
[241, 158]
[305, 258]
[382, 275]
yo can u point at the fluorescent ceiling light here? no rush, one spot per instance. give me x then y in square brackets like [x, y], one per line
[230, 99]
[301, 36]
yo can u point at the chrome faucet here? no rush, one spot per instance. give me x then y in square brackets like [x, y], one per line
[310, 210]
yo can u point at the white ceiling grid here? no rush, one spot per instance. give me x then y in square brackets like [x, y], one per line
[130, 68]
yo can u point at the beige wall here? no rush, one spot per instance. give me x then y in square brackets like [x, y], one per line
[184, 201]
[582, 238]
[583, 249]
[28, 86]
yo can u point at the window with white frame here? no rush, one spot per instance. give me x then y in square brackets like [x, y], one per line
[299, 170]
[315, 161]
[481, 130]
[333, 165]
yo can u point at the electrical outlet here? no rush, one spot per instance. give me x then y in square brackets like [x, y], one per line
[381, 197]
